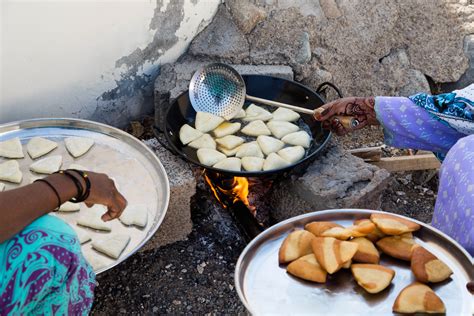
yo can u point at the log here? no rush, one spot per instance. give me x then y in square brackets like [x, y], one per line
[408, 163]
[368, 153]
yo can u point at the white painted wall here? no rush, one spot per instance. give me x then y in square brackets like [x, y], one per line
[58, 57]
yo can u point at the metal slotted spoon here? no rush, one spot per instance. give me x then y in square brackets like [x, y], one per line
[219, 89]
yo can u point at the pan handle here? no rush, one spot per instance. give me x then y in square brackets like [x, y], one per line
[323, 86]
[158, 135]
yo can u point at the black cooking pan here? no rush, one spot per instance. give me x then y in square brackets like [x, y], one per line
[181, 112]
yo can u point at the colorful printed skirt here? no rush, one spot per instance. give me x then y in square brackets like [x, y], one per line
[43, 271]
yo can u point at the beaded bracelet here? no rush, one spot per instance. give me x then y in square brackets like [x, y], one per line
[54, 190]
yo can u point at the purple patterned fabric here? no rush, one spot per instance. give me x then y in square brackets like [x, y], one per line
[407, 125]
[43, 272]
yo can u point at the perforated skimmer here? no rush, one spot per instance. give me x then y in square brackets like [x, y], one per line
[219, 89]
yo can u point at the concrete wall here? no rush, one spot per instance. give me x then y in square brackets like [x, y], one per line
[93, 59]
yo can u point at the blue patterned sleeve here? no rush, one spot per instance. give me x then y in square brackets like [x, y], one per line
[406, 125]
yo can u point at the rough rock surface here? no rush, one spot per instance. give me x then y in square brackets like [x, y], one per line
[177, 223]
[366, 47]
[336, 179]
[246, 14]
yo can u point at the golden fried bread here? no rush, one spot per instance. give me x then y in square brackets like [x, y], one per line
[399, 247]
[347, 265]
[375, 235]
[317, 228]
[418, 298]
[427, 267]
[362, 229]
[366, 253]
[295, 245]
[393, 225]
[332, 253]
[340, 233]
[373, 278]
[307, 268]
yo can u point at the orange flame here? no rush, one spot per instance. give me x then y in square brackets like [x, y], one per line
[238, 191]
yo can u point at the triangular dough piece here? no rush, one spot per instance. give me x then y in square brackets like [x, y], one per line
[340, 233]
[206, 122]
[280, 129]
[209, 157]
[375, 235]
[112, 245]
[295, 245]
[38, 146]
[77, 166]
[274, 161]
[10, 171]
[230, 141]
[362, 229]
[187, 134]
[69, 207]
[205, 141]
[228, 152]
[240, 114]
[418, 298]
[366, 253]
[135, 215]
[231, 164]
[307, 268]
[319, 227]
[47, 165]
[252, 163]
[249, 150]
[11, 148]
[399, 247]
[269, 144]
[393, 225]
[91, 217]
[373, 278]
[300, 138]
[253, 113]
[78, 146]
[256, 128]
[282, 114]
[427, 267]
[332, 253]
[2, 187]
[95, 260]
[226, 128]
[292, 154]
[82, 235]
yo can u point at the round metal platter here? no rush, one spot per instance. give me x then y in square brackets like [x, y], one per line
[137, 172]
[266, 289]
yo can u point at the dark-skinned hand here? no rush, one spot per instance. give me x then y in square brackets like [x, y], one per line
[103, 191]
[363, 109]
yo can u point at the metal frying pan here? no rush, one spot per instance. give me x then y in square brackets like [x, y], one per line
[182, 112]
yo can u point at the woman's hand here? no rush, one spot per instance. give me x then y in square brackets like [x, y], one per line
[103, 191]
[362, 109]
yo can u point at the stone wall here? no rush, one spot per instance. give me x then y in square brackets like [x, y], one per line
[366, 47]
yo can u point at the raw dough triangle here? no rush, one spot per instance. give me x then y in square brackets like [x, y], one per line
[230, 141]
[78, 146]
[10, 171]
[228, 152]
[226, 128]
[69, 207]
[113, 245]
[253, 113]
[240, 114]
[292, 154]
[38, 146]
[274, 161]
[11, 148]
[206, 122]
[47, 165]
[231, 164]
[282, 114]
[281, 128]
[256, 128]
[300, 138]
[249, 150]
[2, 187]
[269, 144]
[82, 235]
[91, 217]
[95, 260]
[252, 163]
[135, 215]
[205, 141]
[209, 157]
[187, 134]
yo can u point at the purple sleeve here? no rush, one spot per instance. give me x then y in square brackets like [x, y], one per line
[407, 125]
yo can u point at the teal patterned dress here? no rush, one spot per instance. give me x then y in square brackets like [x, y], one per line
[43, 271]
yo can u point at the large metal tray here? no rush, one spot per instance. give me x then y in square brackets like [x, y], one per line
[137, 172]
[266, 289]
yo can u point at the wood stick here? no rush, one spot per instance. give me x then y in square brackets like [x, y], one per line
[408, 163]
[368, 153]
